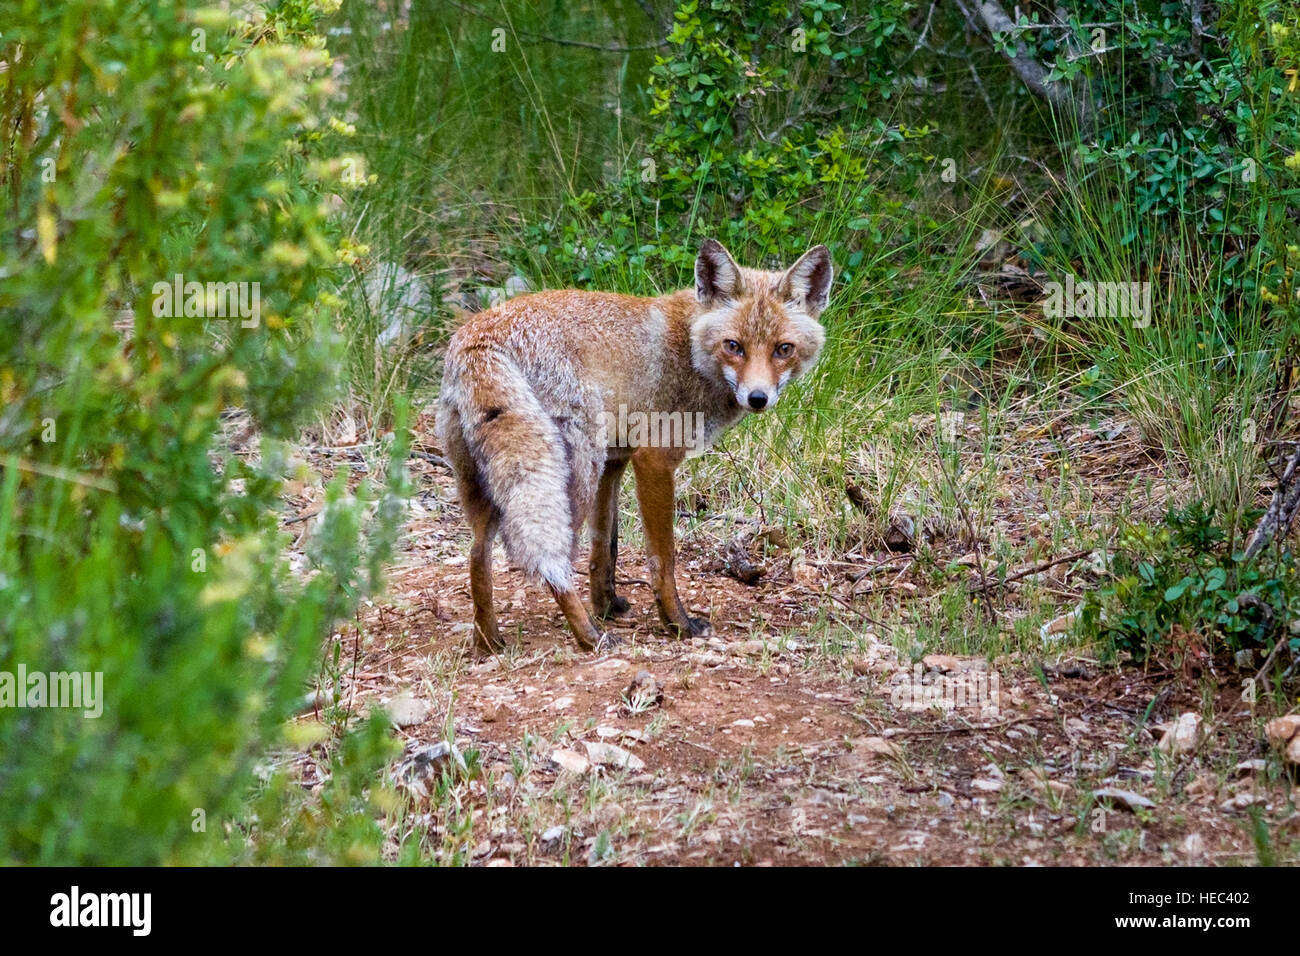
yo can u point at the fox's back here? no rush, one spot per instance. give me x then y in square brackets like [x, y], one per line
[580, 347]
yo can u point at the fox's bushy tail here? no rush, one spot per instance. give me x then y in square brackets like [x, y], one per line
[520, 457]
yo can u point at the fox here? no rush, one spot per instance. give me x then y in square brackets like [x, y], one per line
[531, 386]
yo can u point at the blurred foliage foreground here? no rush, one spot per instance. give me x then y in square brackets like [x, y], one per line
[149, 150]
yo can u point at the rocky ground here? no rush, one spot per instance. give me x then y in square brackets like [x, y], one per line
[801, 732]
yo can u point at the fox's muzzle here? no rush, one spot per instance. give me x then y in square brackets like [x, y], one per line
[756, 398]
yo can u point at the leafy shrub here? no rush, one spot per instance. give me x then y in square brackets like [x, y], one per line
[1196, 115]
[761, 121]
[1183, 574]
[141, 142]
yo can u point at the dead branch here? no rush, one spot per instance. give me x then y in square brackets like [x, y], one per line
[990, 16]
[1281, 510]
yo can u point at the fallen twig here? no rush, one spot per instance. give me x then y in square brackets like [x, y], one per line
[1043, 566]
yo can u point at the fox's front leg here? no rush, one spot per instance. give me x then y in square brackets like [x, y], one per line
[654, 469]
[604, 542]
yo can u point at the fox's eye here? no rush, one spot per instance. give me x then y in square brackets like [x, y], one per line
[784, 350]
[734, 347]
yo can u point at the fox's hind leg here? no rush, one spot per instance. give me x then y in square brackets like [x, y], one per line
[604, 543]
[583, 459]
[579, 618]
[484, 521]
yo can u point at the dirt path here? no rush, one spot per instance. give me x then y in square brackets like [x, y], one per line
[784, 739]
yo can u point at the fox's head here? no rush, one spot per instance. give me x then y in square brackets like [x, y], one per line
[757, 330]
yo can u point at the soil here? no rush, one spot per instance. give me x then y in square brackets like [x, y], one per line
[788, 736]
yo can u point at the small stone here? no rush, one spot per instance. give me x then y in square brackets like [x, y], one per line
[610, 755]
[1280, 730]
[1239, 802]
[562, 703]
[986, 785]
[742, 722]
[1247, 767]
[1057, 628]
[1183, 736]
[553, 834]
[1124, 798]
[707, 659]
[571, 761]
[874, 745]
[804, 574]
[941, 662]
[406, 711]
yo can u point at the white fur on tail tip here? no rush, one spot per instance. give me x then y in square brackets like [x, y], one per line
[557, 574]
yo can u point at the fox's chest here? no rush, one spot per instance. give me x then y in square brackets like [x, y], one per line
[688, 427]
[712, 427]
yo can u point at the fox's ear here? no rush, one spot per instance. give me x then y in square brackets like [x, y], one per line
[716, 274]
[808, 281]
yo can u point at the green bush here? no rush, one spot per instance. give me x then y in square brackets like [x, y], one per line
[143, 141]
[1186, 574]
[766, 126]
[1193, 113]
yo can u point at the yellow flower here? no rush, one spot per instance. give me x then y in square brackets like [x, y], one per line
[342, 128]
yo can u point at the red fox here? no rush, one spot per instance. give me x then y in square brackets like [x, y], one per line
[532, 388]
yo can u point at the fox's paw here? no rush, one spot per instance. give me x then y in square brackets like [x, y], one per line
[486, 644]
[484, 650]
[613, 606]
[695, 627]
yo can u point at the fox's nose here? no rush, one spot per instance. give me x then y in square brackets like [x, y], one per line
[757, 400]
